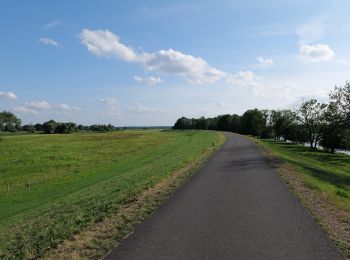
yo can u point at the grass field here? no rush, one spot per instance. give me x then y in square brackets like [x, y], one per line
[53, 186]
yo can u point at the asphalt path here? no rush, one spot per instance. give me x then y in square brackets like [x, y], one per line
[234, 207]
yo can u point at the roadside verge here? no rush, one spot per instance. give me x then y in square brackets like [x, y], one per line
[329, 213]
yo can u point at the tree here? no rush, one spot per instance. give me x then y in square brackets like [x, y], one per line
[253, 122]
[334, 131]
[9, 122]
[310, 115]
[201, 123]
[49, 127]
[39, 127]
[29, 128]
[283, 122]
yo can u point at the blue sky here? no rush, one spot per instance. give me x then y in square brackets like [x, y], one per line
[150, 62]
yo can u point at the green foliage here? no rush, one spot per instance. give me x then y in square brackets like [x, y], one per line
[9, 122]
[78, 179]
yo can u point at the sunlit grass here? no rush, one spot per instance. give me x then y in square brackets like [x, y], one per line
[78, 179]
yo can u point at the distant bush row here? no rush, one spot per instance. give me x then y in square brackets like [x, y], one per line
[313, 122]
[10, 123]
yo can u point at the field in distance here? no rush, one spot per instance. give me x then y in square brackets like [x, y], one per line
[53, 186]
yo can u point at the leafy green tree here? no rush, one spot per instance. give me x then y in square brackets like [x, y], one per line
[311, 115]
[28, 128]
[253, 122]
[283, 122]
[9, 122]
[49, 127]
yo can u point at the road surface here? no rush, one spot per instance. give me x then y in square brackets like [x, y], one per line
[235, 207]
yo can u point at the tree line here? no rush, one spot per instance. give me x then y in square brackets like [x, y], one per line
[9, 122]
[312, 122]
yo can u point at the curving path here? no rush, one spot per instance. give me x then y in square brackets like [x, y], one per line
[235, 207]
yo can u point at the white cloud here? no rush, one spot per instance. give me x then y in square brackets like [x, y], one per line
[104, 43]
[265, 62]
[49, 41]
[41, 105]
[52, 24]
[315, 53]
[36, 106]
[139, 108]
[151, 81]
[67, 107]
[9, 95]
[24, 110]
[108, 101]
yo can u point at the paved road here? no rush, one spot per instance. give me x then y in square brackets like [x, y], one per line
[235, 207]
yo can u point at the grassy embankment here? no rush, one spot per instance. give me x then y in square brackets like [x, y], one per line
[321, 180]
[53, 187]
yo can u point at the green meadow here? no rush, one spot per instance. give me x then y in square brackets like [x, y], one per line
[53, 186]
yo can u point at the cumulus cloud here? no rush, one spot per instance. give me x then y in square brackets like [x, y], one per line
[9, 95]
[108, 101]
[265, 62]
[315, 53]
[24, 110]
[67, 107]
[49, 41]
[139, 108]
[41, 105]
[151, 81]
[104, 43]
[36, 106]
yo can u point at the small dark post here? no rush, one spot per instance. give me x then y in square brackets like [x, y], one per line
[213, 143]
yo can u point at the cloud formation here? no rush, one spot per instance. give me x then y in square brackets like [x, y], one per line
[24, 110]
[151, 81]
[104, 43]
[49, 41]
[8, 95]
[36, 106]
[108, 101]
[315, 53]
[264, 62]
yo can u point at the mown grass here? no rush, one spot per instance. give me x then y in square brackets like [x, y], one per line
[60, 184]
[325, 172]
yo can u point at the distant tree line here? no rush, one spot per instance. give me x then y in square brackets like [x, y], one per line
[9, 122]
[313, 122]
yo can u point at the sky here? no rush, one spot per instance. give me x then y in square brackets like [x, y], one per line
[144, 63]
